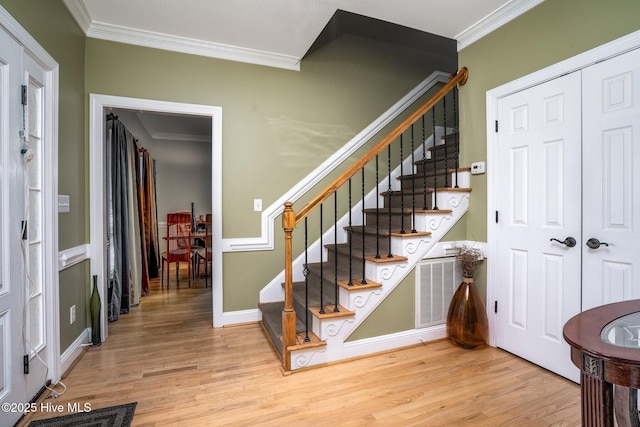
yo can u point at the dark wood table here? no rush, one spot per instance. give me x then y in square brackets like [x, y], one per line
[609, 373]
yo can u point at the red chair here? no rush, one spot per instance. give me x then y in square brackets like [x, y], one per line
[205, 253]
[178, 244]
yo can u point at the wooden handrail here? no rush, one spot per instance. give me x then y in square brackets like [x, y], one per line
[290, 219]
[459, 78]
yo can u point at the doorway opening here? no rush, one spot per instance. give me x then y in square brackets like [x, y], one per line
[100, 106]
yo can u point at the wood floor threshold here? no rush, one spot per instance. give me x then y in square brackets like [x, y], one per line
[385, 259]
[358, 285]
[329, 313]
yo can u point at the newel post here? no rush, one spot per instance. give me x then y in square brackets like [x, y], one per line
[288, 313]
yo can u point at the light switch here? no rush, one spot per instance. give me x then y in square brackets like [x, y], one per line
[63, 203]
[257, 205]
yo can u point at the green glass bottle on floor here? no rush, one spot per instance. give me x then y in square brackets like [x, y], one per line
[94, 307]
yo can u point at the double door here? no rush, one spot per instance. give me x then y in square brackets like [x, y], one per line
[568, 232]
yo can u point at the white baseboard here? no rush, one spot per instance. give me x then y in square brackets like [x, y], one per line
[394, 341]
[241, 316]
[75, 350]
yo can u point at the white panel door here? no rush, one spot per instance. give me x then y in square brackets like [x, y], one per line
[12, 379]
[538, 279]
[611, 180]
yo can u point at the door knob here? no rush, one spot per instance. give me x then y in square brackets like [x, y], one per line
[569, 241]
[594, 243]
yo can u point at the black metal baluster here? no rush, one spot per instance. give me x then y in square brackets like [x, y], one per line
[377, 213]
[321, 265]
[435, 162]
[305, 272]
[424, 164]
[456, 133]
[335, 252]
[350, 237]
[364, 261]
[389, 191]
[446, 145]
[413, 185]
[402, 230]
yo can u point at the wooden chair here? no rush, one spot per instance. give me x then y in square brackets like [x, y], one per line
[178, 244]
[205, 254]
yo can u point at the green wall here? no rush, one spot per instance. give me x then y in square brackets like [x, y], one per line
[50, 23]
[339, 90]
[57, 32]
[278, 125]
[74, 290]
[549, 33]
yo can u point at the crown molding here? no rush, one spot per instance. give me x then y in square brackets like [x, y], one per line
[494, 20]
[79, 13]
[191, 46]
[166, 136]
[115, 33]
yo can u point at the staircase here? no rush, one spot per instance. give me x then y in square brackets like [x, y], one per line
[361, 257]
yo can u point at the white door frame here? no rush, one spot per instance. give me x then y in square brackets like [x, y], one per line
[97, 114]
[578, 62]
[50, 187]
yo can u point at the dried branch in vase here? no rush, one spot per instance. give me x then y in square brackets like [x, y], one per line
[468, 258]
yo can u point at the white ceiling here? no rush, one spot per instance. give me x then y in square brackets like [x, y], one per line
[276, 32]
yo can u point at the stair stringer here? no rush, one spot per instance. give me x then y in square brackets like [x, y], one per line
[335, 331]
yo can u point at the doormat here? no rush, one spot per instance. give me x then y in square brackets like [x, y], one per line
[112, 416]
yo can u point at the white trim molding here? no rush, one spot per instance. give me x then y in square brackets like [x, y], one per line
[100, 30]
[575, 63]
[239, 317]
[269, 215]
[446, 249]
[494, 20]
[72, 256]
[75, 349]
[98, 104]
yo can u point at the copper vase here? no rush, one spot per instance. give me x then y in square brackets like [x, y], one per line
[467, 323]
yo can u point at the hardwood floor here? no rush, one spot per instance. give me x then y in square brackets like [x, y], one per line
[166, 356]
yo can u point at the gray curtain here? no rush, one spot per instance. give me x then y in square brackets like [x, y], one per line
[118, 236]
[132, 226]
